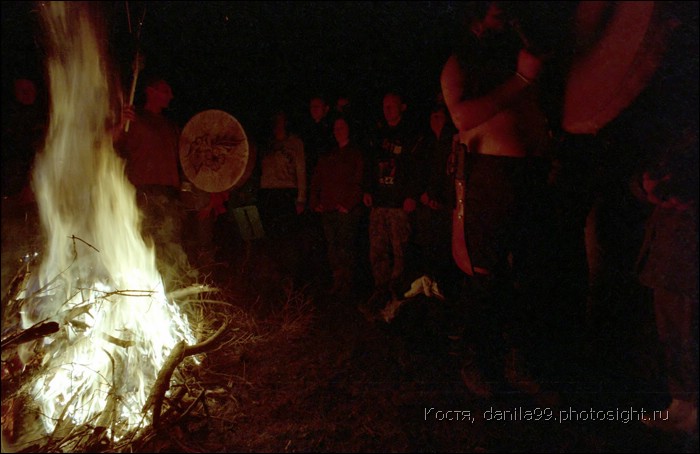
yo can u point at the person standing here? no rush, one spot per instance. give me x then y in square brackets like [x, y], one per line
[149, 143]
[391, 188]
[668, 266]
[318, 141]
[317, 134]
[336, 193]
[24, 128]
[434, 212]
[283, 193]
[283, 176]
[490, 88]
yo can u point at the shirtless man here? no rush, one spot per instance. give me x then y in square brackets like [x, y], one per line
[507, 120]
[489, 86]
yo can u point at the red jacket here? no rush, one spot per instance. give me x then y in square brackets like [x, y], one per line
[337, 180]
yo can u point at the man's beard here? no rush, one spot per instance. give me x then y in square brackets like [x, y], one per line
[488, 60]
[500, 45]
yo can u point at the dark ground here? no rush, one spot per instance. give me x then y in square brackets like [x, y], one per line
[318, 377]
[343, 384]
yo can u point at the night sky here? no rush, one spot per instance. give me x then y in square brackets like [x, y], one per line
[250, 58]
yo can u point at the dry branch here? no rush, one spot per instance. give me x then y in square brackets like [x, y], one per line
[119, 342]
[191, 290]
[179, 353]
[192, 405]
[16, 285]
[41, 329]
[163, 381]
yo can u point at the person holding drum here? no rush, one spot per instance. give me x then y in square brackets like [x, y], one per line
[490, 87]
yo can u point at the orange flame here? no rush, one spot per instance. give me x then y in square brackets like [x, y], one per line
[98, 278]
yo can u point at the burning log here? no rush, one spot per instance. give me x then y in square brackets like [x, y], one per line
[18, 282]
[191, 290]
[35, 332]
[96, 349]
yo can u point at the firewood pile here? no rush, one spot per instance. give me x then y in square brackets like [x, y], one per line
[195, 390]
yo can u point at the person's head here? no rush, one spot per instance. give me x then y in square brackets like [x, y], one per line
[158, 95]
[318, 108]
[489, 36]
[341, 131]
[393, 107]
[485, 17]
[438, 118]
[25, 92]
[676, 168]
[341, 103]
[279, 125]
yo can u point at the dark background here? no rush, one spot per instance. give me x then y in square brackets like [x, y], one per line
[249, 58]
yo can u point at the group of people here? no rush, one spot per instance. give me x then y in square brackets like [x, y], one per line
[359, 191]
[498, 200]
[471, 197]
[508, 230]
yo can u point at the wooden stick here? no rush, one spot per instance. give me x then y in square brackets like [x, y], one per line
[179, 353]
[137, 62]
[41, 329]
[192, 290]
[132, 93]
[163, 381]
[192, 405]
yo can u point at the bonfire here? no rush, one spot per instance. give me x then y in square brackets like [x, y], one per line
[98, 340]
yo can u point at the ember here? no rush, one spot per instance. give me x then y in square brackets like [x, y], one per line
[98, 278]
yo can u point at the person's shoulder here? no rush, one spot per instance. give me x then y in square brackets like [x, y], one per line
[452, 65]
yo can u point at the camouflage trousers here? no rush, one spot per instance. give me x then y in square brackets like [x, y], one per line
[389, 232]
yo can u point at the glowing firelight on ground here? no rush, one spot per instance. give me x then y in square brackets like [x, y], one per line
[98, 277]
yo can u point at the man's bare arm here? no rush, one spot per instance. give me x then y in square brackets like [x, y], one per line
[468, 113]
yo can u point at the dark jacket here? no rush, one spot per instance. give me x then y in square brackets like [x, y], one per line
[392, 171]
